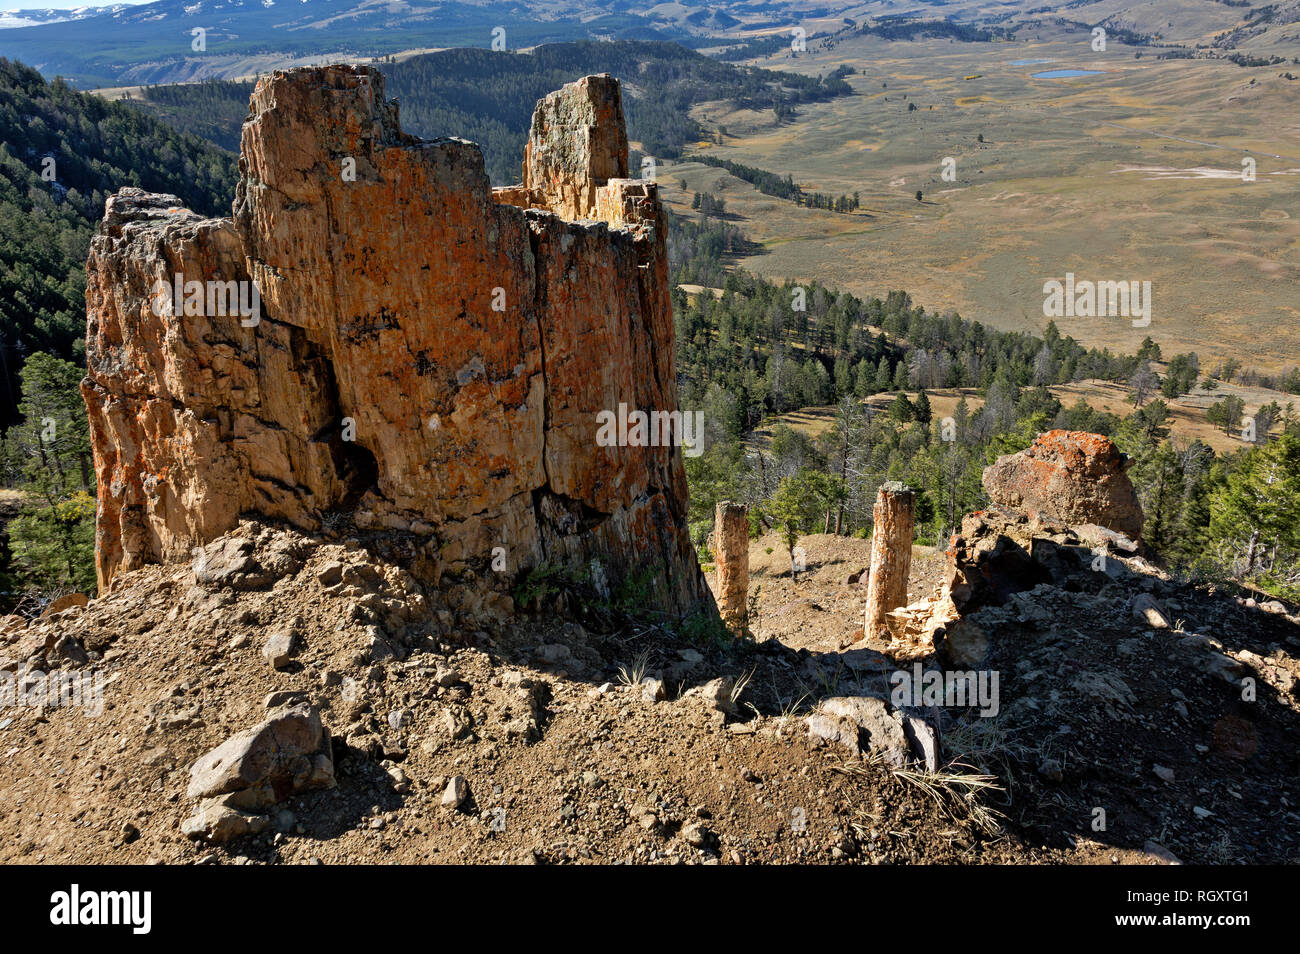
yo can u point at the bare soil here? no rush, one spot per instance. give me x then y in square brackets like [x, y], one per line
[568, 763]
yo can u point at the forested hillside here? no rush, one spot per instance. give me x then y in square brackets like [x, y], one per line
[489, 97]
[62, 153]
[213, 109]
[761, 349]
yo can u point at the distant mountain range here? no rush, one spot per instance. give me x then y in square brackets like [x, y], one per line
[10, 19]
[156, 42]
[129, 45]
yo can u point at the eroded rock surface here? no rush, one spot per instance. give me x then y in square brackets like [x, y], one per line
[428, 356]
[1069, 477]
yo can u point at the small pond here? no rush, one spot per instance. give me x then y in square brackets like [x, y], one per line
[1062, 74]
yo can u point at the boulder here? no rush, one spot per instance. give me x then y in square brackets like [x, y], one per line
[455, 794]
[217, 821]
[286, 754]
[279, 648]
[998, 553]
[861, 724]
[67, 601]
[1068, 477]
[1206, 654]
[924, 739]
[64, 648]
[964, 644]
[1145, 608]
[653, 689]
[916, 629]
[716, 695]
[229, 561]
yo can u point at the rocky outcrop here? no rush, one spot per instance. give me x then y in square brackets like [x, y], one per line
[575, 182]
[1069, 477]
[415, 352]
[1067, 516]
[999, 553]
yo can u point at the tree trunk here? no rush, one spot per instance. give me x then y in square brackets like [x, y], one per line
[731, 538]
[844, 477]
[891, 556]
[1250, 552]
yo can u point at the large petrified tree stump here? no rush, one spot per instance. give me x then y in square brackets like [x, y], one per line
[731, 537]
[891, 556]
[445, 382]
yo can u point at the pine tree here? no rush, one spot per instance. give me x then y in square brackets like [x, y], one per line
[1162, 500]
[884, 376]
[1258, 508]
[796, 507]
[53, 541]
[922, 409]
[863, 377]
[902, 410]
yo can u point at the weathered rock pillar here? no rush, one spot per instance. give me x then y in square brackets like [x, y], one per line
[891, 556]
[731, 538]
[506, 321]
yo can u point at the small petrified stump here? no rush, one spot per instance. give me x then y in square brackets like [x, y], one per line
[731, 536]
[891, 556]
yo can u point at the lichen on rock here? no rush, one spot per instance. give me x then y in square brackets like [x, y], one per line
[1069, 477]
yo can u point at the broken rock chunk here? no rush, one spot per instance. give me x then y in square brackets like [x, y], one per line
[286, 754]
[861, 724]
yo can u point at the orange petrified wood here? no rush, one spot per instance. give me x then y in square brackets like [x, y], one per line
[468, 338]
[731, 538]
[891, 556]
[1071, 477]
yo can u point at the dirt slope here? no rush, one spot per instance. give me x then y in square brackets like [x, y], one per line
[565, 763]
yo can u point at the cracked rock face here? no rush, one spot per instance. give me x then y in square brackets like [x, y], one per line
[1069, 477]
[428, 355]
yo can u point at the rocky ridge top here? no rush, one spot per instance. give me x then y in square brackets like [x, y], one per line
[390, 732]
